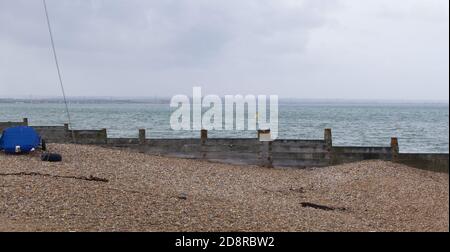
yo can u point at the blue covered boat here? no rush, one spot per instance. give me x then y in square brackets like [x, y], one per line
[18, 140]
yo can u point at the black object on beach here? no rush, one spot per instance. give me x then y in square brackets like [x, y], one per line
[51, 157]
[43, 145]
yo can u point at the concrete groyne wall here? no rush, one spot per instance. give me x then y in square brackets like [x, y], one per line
[257, 151]
[431, 161]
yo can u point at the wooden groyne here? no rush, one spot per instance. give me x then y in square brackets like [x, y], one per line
[258, 151]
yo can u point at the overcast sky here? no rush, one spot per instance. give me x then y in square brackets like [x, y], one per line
[347, 49]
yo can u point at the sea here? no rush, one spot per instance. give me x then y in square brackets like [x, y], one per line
[420, 126]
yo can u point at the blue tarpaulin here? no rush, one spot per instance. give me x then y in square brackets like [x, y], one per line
[20, 139]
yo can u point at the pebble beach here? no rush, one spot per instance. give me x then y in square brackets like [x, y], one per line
[99, 189]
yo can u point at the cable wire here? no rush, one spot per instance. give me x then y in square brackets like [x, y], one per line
[58, 70]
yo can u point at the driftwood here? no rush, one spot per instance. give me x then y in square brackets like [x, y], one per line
[90, 178]
[322, 207]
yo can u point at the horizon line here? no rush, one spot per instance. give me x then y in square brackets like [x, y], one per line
[143, 98]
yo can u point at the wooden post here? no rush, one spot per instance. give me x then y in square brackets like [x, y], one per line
[203, 138]
[204, 135]
[142, 136]
[328, 139]
[264, 135]
[394, 148]
[104, 136]
[265, 148]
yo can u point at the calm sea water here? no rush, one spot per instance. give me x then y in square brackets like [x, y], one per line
[419, 127]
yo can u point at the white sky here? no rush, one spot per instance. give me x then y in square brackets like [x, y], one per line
[347, 49]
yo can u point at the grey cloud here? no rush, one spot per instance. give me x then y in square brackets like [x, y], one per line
[296, 48]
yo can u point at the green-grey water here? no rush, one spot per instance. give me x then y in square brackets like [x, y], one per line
[419, 127]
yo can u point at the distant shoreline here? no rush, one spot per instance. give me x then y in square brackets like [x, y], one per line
[165, 100]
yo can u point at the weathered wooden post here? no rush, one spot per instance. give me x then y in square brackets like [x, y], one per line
[204, 135]
[142, 136]
[394, 148]
[104, 136]
[70, 134]
[265, 151]
[67, 133]
[328, 139]
[25, 121]
[264, 135]
[203, 138]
